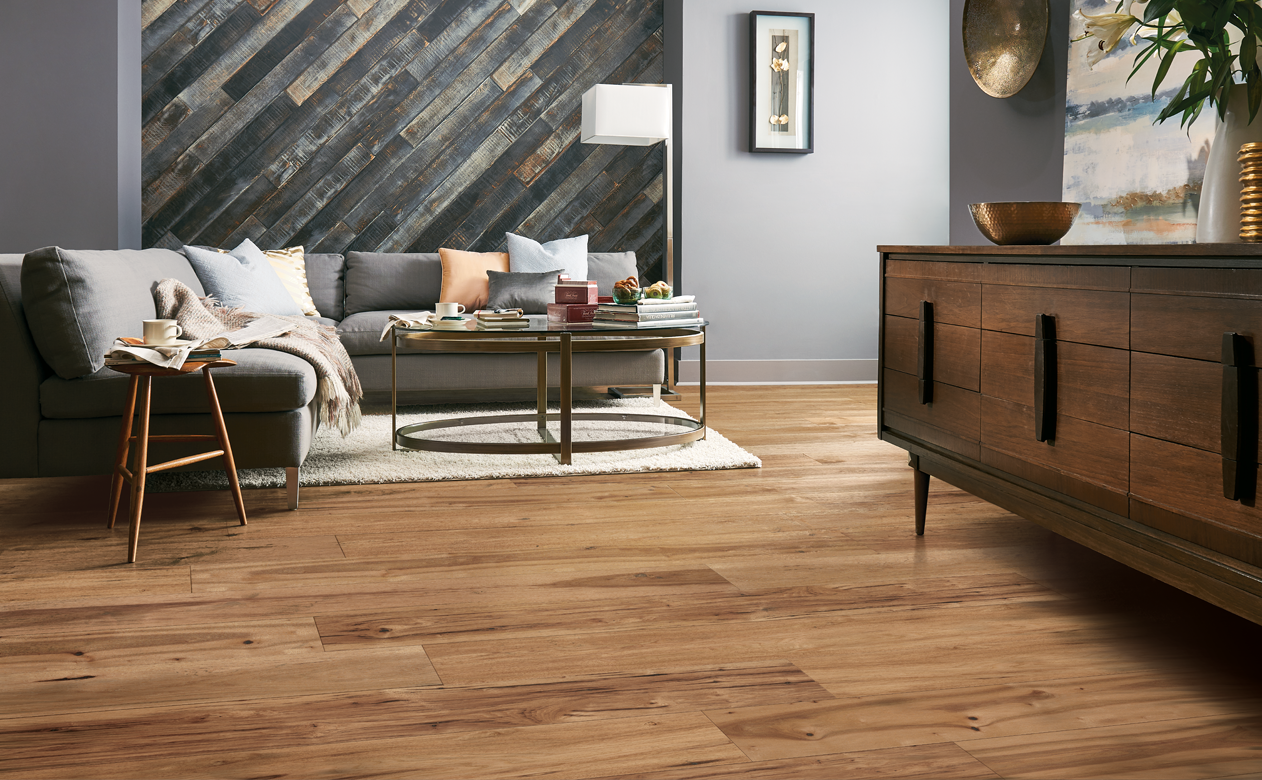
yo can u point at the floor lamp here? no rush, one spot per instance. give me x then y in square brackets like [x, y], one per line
[637, 115]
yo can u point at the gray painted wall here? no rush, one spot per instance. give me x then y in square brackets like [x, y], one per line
[1007, 149]
[66, 178]
[781, 249]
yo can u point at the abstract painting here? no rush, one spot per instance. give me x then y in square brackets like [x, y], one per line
[1138, 182]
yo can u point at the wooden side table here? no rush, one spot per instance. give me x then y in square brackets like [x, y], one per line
[142, 375]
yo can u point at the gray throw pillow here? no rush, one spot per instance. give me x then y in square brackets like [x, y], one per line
[78, 301]
[243, 277]
[529, 292]
[529, 256]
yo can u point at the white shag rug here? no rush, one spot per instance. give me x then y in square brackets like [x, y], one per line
[366, 456]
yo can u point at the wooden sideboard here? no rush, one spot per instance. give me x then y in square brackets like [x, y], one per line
[1108, 393]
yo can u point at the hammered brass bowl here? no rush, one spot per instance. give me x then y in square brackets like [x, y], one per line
[1024, 222]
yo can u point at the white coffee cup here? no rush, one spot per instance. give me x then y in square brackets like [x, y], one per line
[161, 333]
[449, 309]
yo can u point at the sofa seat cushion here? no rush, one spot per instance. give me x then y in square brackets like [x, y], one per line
[361, 333]
[263, 380]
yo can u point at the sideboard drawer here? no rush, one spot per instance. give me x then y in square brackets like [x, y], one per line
[1085, 316]
[1188, 481]
[951, 421]
[956, 351]
[1192, 326]
[1178, 400]
[1092, 383]
[1093, 453]
[954, 303]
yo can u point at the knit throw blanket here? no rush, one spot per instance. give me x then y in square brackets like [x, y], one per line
[338, 391]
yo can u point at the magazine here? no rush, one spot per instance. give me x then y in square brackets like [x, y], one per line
[127, 350]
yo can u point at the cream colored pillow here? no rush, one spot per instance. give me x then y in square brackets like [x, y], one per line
[291, 266]
[464, 276]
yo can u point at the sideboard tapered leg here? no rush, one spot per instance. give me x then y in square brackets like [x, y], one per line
[922, 493]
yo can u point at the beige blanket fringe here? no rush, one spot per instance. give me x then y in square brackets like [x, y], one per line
[338, 391]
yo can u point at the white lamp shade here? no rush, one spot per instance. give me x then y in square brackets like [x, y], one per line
[626, 114]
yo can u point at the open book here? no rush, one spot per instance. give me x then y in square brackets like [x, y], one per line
[132, 350]
[420, 319]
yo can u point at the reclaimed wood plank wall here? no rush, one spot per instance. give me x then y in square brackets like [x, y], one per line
[394, 125]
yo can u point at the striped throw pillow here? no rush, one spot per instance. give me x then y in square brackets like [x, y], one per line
[291, 267]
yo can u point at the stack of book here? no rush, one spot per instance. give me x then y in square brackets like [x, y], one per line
[130, 351]
[118, 358]
[678, 312]
[501, 319]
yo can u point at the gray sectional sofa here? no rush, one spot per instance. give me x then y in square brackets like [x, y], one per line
[62, 409]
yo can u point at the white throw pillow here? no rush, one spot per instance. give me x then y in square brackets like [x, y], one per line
[527, 256]
[243, 277]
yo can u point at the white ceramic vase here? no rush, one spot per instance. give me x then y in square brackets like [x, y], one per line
[1218, 216]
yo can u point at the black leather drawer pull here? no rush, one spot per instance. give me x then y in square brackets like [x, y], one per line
[924, 356]
[1239, 426]
[1044, 377]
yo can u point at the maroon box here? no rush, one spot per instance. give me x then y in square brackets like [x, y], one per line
[571, 312]
[576, 292]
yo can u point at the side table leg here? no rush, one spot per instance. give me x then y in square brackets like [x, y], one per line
[124, 447]
[541, 390]
[567, 399]
[921, 488]
[139, 469]
[704, 429]
[394, 390]
[221, 431]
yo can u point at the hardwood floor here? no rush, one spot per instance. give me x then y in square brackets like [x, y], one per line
[783, 622]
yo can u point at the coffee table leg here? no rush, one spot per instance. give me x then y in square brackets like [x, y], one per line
[541, 394]
[138, 470]
[394, 392]
[702, 378]
[567, 399]
[124, 446]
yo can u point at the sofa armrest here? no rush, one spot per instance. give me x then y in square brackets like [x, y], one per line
[24, 370]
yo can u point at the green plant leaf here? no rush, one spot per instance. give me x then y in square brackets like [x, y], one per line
[1157, 9]
[1164, 68]
[1248, 53]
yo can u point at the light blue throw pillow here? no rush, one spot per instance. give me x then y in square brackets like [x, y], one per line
[243, 277]
[527, 256]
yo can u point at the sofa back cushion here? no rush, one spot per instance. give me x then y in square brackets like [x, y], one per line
[379, 280]
[78, 301]
[609, 267]
[326, 280]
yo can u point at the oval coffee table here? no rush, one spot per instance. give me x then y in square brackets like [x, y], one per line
[544, 338]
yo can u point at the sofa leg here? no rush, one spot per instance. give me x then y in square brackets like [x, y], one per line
[291, 485]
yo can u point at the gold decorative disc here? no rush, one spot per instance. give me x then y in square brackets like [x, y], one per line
[1003, 43]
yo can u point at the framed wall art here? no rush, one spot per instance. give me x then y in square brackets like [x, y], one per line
[781, 82]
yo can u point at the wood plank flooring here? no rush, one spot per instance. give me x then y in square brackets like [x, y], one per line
[783, 622]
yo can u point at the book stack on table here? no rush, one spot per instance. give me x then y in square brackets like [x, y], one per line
[501, 319]
[678, 312]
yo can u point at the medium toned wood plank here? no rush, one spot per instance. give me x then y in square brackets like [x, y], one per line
[152, 732]
[1184, 748]
[103, 547]
[963, 715]
[1084, 316]
[637, 744]
[1092, 383]
[428, 626]
[184, 677]
[927, 762]
[150, 579]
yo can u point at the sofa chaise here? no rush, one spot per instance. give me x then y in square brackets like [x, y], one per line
[62, 407]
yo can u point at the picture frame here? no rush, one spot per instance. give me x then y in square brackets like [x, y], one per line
[781, 82]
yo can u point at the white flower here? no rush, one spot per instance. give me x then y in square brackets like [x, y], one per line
[1108, 29]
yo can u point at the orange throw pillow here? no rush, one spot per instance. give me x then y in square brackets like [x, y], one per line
[464, 276]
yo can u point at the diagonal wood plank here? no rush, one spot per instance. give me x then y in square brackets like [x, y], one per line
[378, 124]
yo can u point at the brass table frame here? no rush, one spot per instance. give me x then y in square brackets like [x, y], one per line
[542, 343]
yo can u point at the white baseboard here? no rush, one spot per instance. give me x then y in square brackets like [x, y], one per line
[778, 372]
